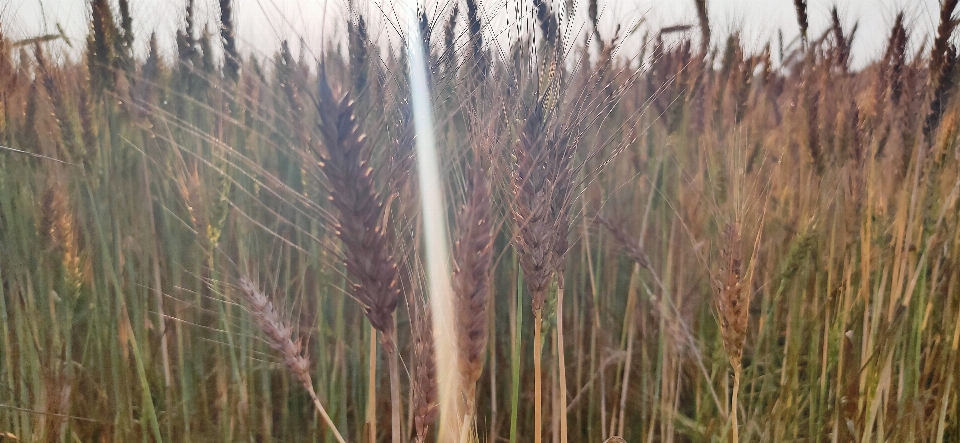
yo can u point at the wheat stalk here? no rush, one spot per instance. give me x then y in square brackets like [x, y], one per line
[366, 251]
[534, 239]
[733, 310]
[541, 185]
[280, 338]
[471, 282]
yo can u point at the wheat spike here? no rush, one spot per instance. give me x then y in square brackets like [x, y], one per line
[732, 298]
[632, 247]
[943, 62]
[471, 280]
[280, 338]
[704, 20]
[58, 229]
[541, 187]
[801, 7]
[231, 57]
[425, 372]
[366, 250]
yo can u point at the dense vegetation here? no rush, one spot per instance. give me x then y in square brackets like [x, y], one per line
[645, 239]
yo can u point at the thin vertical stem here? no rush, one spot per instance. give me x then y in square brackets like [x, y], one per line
[323, 412]
[537, 382]
[561, 362]
[390, 348]
[733, 404]
[492, 356]
[372, 388]
[515, 394]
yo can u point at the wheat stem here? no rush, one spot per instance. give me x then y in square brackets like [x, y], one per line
[372, 388]
[561, 361]
[537, 382]
[279, 336]
[323, 412]
[517, 312]
[734, 405]
[631, 329]
[390, 347]
[466, 427]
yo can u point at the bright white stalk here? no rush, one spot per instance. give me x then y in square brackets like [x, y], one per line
[435, 239]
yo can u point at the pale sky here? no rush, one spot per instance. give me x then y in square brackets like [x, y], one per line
[263, 23]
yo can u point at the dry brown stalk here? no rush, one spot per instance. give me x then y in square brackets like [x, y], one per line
[280, 338]
[471, 281]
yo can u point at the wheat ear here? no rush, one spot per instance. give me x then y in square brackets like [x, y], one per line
[943, 63]
[231, 56]
[801, 7]
[425, 375]
[280, 338]
[541, 189]
[534, 242]
[366, 250]
[733, 309]
[471, 282]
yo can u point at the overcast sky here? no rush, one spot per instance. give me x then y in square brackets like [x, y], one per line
[263, 23]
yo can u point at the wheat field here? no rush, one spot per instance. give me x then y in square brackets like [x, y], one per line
[657, 242]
